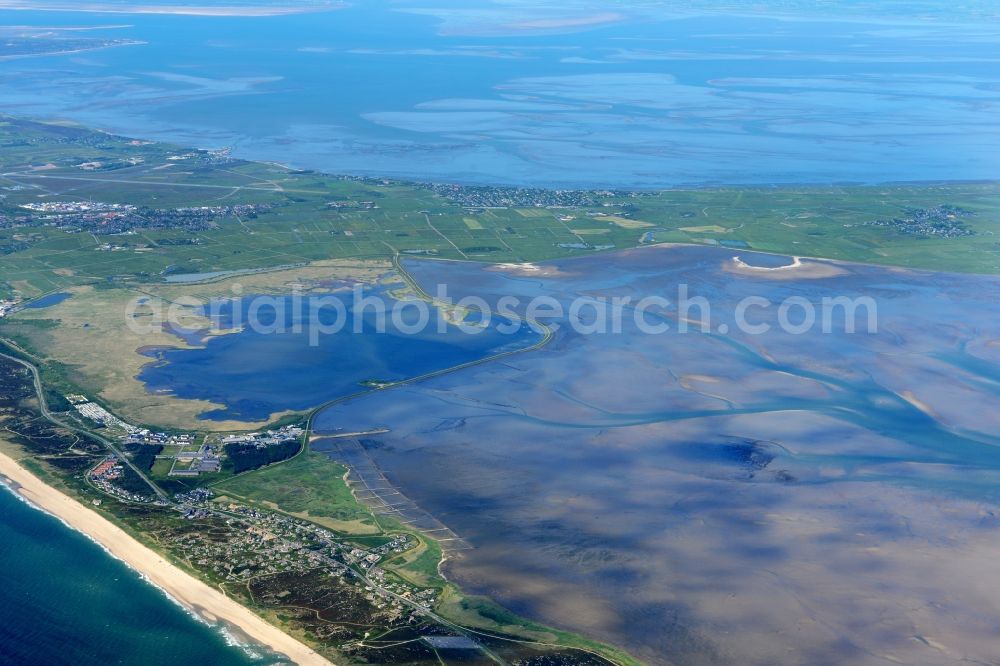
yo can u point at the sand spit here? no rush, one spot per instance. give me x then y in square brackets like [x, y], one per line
[798, 269]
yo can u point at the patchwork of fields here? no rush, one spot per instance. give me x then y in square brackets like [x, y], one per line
[301, 217]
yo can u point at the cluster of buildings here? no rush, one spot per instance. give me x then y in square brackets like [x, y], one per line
[190, 460]
[104, 476]
[187, 458]
[184, 462]
[196, 496]
[146, 436]
[388, 589]
[219, 155]
[368, 558]
[526, 197]
[99, 415]
[78, 207]
[193, 503]
[266, 438]
[423, 598]
[242, 210]
[6, 306]
[109, 470]
[943, 221]
[110, 165]
[193, 463]
[117, 218]
[270, 543]
[261, 543]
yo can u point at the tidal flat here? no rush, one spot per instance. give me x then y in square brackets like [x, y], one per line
[706, 498]
[650, 95]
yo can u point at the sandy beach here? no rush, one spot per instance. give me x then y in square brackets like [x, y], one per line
[190, 592]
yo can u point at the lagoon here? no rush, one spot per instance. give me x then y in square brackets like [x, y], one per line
[260, 371]
[48, 300]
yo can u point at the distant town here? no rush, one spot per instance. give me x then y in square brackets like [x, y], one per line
[472, 196]
[942, 221]
[119, 218]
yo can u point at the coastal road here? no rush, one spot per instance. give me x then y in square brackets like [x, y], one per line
[49, 416]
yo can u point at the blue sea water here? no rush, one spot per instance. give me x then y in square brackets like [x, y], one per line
[478, 92]
[65, 601]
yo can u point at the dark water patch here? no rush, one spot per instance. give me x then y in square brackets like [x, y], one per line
[255, 373]
[758, 260]
[48, 300]
[746, 459]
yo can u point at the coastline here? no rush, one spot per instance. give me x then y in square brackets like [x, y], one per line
[194, 595]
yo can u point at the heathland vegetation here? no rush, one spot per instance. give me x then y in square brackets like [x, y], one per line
[108, 219]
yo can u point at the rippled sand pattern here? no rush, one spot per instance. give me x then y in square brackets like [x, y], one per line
[702, 498]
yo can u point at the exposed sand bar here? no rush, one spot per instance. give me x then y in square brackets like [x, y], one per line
[190, 592]
[798, 269]
[796, 262]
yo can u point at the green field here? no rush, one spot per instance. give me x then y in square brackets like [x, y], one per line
[315, 216]
[308, 486]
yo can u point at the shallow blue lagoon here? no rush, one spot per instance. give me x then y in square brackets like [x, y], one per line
[274, 367]
[48, 301]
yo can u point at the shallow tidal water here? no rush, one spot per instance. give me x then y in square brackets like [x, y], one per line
[702, 498]
[648, 95]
